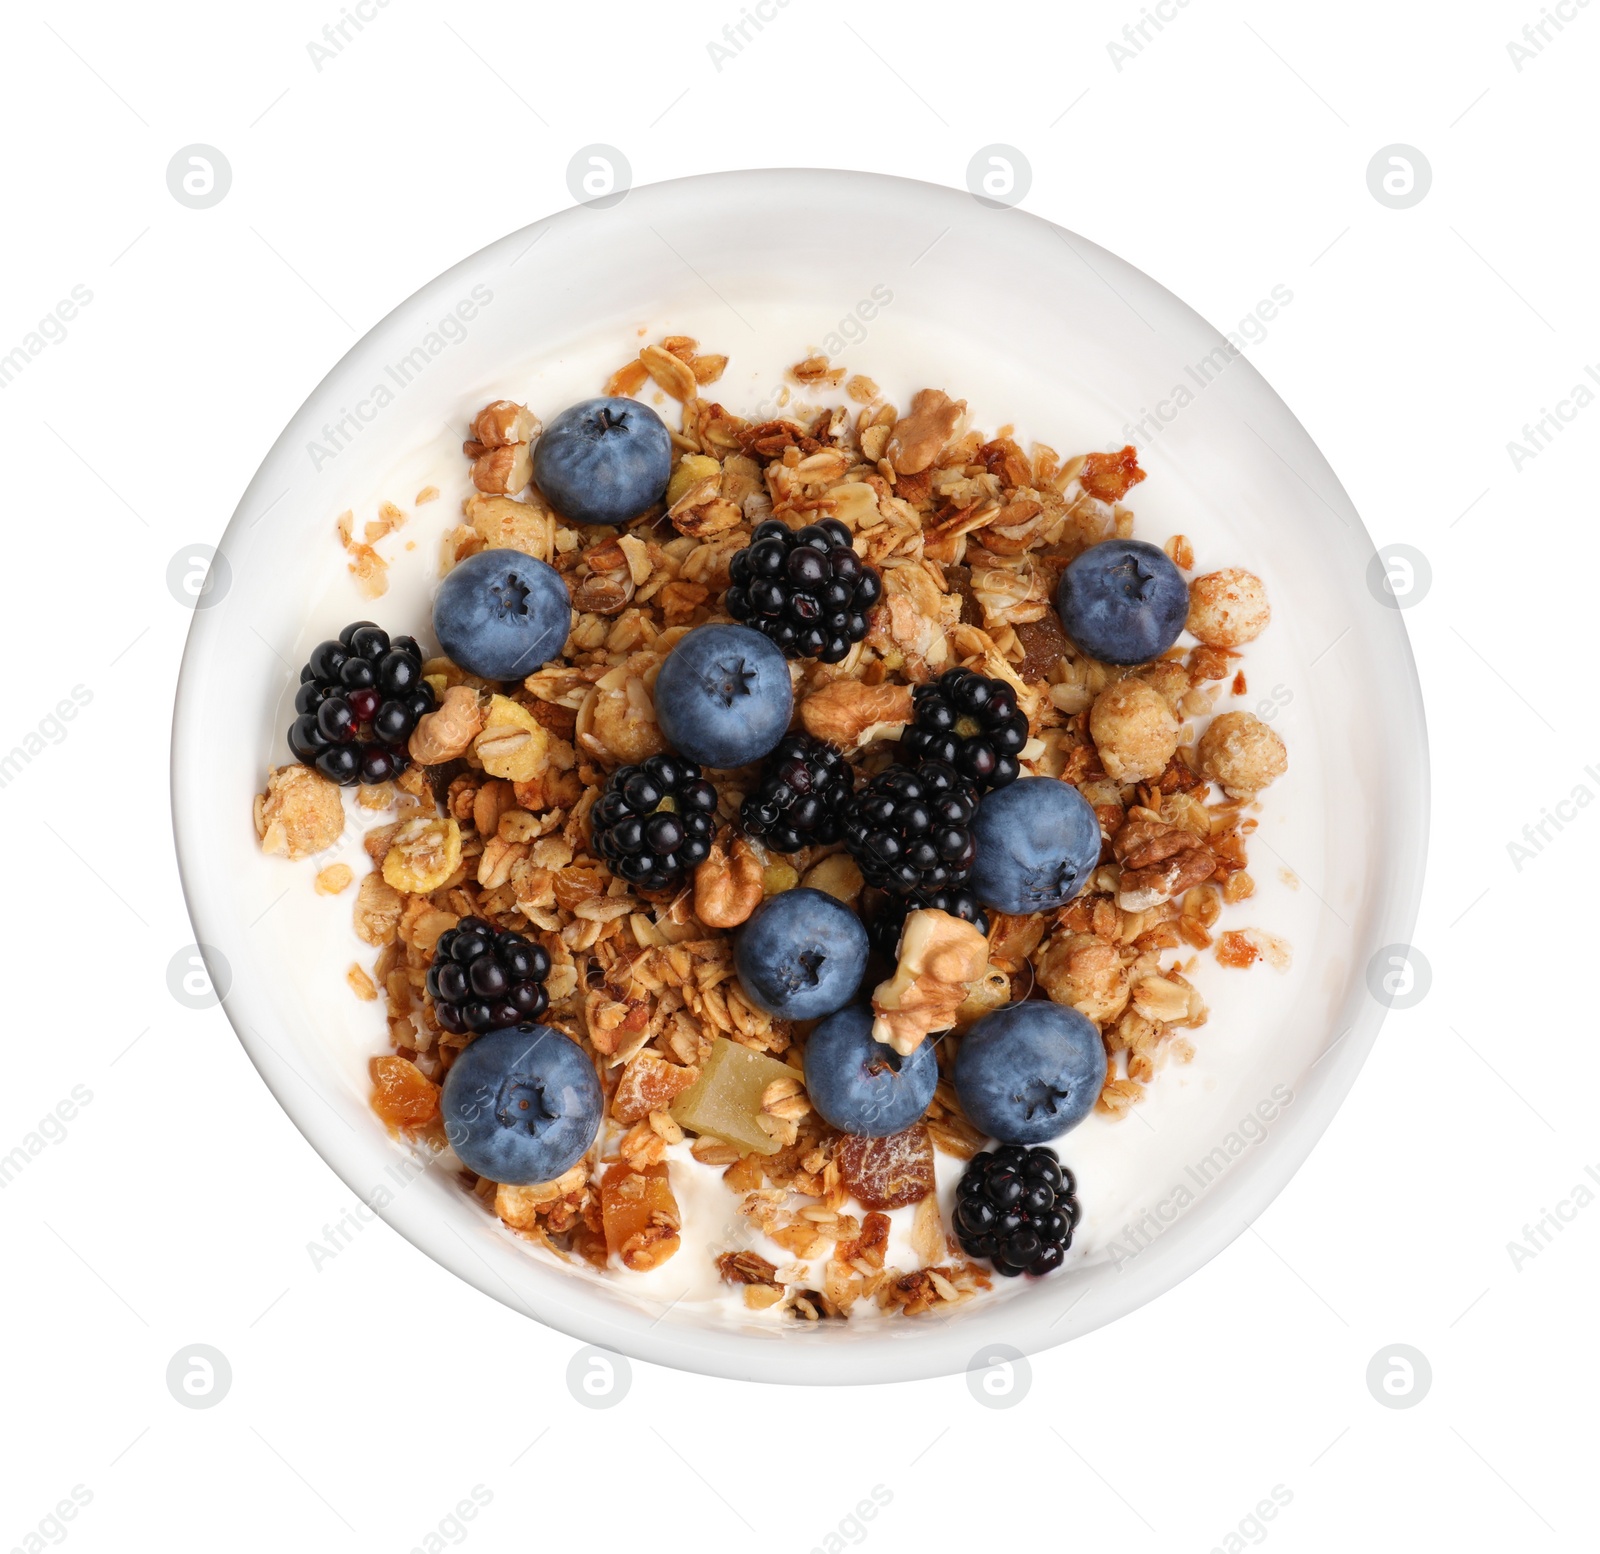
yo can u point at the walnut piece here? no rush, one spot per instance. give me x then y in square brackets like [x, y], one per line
[1228, 608]
[502, 463]
[300, 813]
[1239, 752]
[503, 471]
[504, 422]
[1159, 863]
[444, 734]
[917, 438]
[847, 713]
[1134, 731]
[939, 956]
[728, 886]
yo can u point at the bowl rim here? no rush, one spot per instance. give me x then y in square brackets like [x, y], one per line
[936, 1348]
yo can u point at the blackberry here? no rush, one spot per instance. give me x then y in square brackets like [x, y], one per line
[1017, 1207]
[654, 821]
[805, 787]
[884, 926]
[910, 829]
[971, 722]
[806, 589]
[484, 979]
[359, 699]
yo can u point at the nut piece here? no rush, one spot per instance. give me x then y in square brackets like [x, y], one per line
[423, 855]
[847, 713]
[727, 889]
[1241, 754]
[444, 734]
[990, 992]
[1159, 863]
[300, 813]
[1134, 731]
[939, 956]
[514, 744]
[503, 471]
[917, 438]
[503, 422]
[1228, 608]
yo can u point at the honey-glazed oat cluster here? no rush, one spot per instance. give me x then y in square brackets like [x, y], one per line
[488, 829]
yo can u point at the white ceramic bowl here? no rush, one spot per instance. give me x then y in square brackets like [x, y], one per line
[1039, 327]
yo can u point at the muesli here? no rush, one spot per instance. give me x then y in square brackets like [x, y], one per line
[787, 804]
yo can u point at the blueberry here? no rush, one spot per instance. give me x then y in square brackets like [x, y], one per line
[1037, 843]
[521, 1105]
[603, 460]
[801, 955]
[1123, 601]
[1027, 1073]
[723, 696]
[501, 614]
[860, 1085]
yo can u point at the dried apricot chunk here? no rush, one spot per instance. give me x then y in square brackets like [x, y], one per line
[887, 1173]
[640, 1214]
[1108, 475]
[402, 1095]
[1235, 949]
[649, 1084]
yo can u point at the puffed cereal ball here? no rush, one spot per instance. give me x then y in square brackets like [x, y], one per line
[1228, 608]
[1087, 973]
[1239, 752]
[1134, 730]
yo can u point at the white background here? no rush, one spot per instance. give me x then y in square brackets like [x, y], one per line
[1228, 156]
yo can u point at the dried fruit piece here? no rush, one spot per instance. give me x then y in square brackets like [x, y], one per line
[725, 1102]
[649, 1084]
[423, 855]
[402, 1095]
[514, 744]
[887, 1173]
[640, 1215]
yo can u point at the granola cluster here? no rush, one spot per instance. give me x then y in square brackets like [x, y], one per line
[970, 533]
